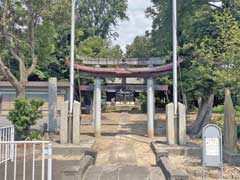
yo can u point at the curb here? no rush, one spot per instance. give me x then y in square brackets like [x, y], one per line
[77, 172]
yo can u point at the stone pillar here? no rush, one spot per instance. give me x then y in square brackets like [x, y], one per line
[76, 122]
[64, 123]
[150, 107]
[94, 109]
[98, 101]
[182, 124]
[170, 124]
[52, 104]
[230, 126]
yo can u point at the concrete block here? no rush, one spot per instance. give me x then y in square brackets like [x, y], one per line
[76, 122]
[71, 173]
[64, 123]
[52, 104]
[231, 157]
[182, 137]
[170, 124]
[77, 172]
[170, 171]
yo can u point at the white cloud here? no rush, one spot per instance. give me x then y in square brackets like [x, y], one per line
[136, 25]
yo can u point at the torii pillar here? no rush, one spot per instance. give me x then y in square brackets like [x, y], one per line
[97, 105]
[150, 107]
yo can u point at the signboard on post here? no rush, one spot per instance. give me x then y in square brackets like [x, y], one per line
[212, 148]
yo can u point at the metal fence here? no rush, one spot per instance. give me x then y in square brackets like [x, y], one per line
[6, 135]
[31, 160]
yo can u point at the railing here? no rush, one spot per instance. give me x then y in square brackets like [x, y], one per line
[6, 135]
[28, 160]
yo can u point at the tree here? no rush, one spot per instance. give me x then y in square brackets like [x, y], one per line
[93, 18]
[96, 18]
[208, 39]
[216, 63]
[25, 39]
[97, 47]
[140, 48]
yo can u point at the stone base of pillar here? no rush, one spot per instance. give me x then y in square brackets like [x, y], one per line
[64, 129]
[182, 124]
[76, 122]
[176, 126]
[64, 123]
[170, 124]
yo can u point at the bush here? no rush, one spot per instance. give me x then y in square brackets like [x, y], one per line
[143, 101]
[218, 109]
[35, 135]
[24, 115]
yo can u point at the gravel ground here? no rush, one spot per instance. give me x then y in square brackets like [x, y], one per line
[192, 165]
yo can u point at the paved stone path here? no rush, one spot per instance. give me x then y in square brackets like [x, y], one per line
[123, 172]
[120, 160]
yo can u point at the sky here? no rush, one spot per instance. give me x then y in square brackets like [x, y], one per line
[136, 25]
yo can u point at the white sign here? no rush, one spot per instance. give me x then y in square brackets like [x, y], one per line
[212, 147]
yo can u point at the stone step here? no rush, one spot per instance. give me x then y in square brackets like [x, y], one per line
[123, 172]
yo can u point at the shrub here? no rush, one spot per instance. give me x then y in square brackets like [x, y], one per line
[143, 101]
[36, 135]
[24, 115]
[218, 109]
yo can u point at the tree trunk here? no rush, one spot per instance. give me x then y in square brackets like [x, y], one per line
[20, 90]
[203, 117]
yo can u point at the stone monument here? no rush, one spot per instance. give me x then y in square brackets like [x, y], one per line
[52, 104]
[230, 125]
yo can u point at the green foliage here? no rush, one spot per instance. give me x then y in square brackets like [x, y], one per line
[96, 18]
[218, 109]
[35, 135]
[25, 114]
[52, 32]
[26, 15]
[209, 41]
[97, 47]
[143, 101]
[219, 120]
[140, 48]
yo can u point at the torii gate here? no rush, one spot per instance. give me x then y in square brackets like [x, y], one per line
[97, 68]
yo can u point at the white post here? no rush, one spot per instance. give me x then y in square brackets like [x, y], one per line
[12, 139]
[71, 98]
[72, 57]
[49, 161]
[175, 98]
[150, 107]
[97, 107]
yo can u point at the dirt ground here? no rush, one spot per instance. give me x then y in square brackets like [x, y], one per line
[131, 129]
[192, 165]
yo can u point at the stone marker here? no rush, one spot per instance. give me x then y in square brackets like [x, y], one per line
[52, 104]
[230, 126]
[76, 122]
[170, 124]
[64, 123]
[181, 124]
